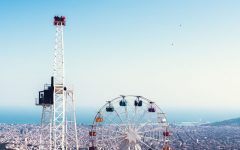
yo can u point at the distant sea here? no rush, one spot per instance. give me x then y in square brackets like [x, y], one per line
[33, 116]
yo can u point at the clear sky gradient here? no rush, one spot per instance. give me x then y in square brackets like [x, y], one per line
[185, 55]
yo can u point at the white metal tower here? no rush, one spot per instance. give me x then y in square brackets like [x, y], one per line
[46, 128]
[59, 92]
[71, 126]
[46, 101]
[58, 123]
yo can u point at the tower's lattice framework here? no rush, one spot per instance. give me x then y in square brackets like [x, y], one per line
[58, 123]
[59, 93]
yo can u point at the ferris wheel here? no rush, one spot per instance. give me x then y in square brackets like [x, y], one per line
[130, 123]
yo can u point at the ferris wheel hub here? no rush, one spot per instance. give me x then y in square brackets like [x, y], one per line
[132, 136]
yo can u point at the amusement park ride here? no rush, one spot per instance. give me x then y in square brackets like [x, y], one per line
[123, 123]
[130, 123]
[58, 123]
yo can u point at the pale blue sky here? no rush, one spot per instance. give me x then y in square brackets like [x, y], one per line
[117, 47]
